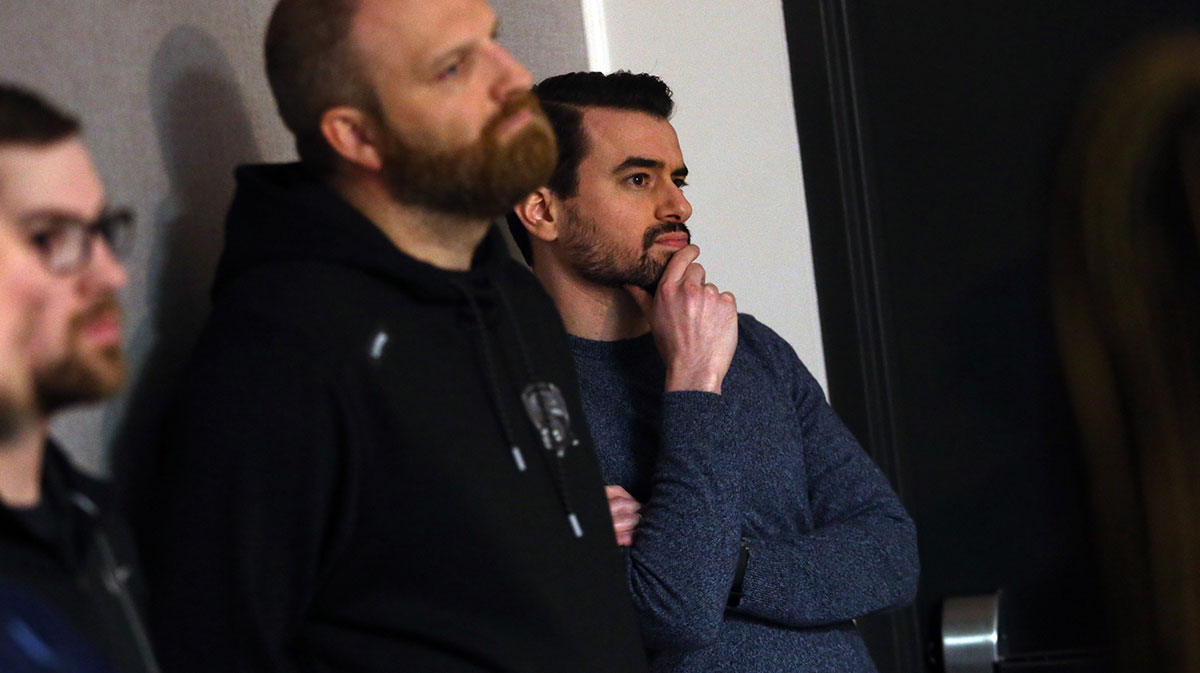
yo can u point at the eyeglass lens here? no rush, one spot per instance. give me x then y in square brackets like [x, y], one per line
[68, 247]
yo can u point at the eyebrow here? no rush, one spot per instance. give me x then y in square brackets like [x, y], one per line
[50, 214]
[643, 162]
[57, 216]
[462, 49]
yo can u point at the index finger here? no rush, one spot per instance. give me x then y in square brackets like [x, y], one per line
[615, 491]
[679, 262]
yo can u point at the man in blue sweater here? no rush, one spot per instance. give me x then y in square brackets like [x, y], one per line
[756, 528]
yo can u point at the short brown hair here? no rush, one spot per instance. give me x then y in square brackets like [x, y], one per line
[312, 66]
[28, 119]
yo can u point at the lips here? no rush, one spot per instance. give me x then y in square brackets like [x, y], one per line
[105, 328]
[513, 123]
[101, 322]
[674, 235]
[675, 240]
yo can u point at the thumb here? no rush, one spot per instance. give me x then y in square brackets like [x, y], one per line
[644, 299]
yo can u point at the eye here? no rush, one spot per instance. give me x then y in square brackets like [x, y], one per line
[46, 237]
[42, 240]
[638, 179]
[680, 183]
[450, 70]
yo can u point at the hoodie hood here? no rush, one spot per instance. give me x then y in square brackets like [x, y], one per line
[284, 213]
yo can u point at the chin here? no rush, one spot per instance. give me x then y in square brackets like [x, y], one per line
[80, 381]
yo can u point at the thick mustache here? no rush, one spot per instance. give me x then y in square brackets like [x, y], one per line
[663, 228]
[511, 106]
[106, 305]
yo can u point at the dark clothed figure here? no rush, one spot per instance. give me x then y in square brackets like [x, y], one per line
[68, 581]
[356, 479]
[766, 463]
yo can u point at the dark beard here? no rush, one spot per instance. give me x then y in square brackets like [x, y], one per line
[600, 262]
[72, 380]
[483, 180]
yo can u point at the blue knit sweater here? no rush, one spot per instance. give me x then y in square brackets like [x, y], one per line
[766, 461]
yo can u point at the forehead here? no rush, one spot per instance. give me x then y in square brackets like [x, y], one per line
[615, 135]
[401, 36]
[58, 177]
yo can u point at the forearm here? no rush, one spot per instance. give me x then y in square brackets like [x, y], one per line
[682, 561]
[833, 574]
[858, 552]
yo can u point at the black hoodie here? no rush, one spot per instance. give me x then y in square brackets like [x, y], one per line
[351, 480]
[68, 580]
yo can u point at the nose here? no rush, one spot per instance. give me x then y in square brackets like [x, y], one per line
[674, 206]
[511, 76]
[105, 272]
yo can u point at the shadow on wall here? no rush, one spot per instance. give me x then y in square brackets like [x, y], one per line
[203, 132]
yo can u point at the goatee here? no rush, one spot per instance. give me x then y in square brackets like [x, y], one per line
[602, 262]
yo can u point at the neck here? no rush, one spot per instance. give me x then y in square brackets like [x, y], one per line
[21, 467]
[588, 310]
[445, 241]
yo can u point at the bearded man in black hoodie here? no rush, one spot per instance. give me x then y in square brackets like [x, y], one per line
[377, 460]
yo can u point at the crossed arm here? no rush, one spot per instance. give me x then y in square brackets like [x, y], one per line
[683, 543]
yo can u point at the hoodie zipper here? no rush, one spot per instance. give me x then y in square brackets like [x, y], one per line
[115, 584]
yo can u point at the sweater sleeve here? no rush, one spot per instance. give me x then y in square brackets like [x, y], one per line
[860, 555]
[683, 557]
[247, 493]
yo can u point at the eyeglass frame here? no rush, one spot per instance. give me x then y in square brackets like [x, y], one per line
[114, 226]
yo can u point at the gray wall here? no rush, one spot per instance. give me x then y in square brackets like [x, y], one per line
[173, 96]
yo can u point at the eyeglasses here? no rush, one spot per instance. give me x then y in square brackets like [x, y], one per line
[65, 245]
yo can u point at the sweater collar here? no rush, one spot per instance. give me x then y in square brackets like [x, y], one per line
[638, 349]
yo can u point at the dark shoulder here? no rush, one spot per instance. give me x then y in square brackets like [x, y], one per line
[518, 278]
[764, 342]
[297, 293]
[306, 313]
[516, 275]
[761, 348]
[59, 464]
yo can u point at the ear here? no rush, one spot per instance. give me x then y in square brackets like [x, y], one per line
[538, 212]
[352, 135]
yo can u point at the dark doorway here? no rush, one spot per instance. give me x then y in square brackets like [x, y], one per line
[929, 136]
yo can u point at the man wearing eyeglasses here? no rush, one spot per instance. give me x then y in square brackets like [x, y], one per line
[65, 561]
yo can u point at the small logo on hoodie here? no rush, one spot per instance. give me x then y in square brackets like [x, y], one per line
[548, 411]
[378, 344]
